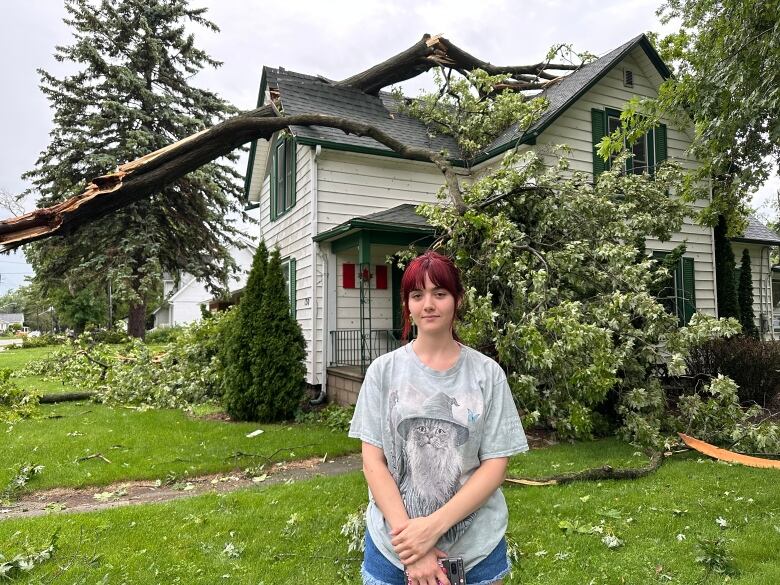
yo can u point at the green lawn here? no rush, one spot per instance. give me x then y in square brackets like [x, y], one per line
[290, 533]
[148, 445]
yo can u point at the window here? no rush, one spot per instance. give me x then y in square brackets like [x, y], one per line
[648, 151]
[679, 293]
[289, 271]
[283, 176]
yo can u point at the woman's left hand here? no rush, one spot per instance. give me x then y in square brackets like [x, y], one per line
[415, 539]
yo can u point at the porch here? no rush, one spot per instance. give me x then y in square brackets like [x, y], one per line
[364, 292]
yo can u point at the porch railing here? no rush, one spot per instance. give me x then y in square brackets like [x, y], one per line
[348, 346]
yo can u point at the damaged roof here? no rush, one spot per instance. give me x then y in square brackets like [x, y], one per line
[300, 93]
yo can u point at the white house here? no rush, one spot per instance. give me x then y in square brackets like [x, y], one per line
[337, 205]
[8, 319]
[183, 302]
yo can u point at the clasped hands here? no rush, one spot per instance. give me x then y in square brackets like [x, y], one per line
[414, 542]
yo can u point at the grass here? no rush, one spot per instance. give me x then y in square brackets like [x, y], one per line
[149, 445]
[290, 533]
[16, 359]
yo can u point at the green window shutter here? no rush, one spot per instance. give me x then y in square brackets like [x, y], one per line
[651, 152]
[290, 163]
[293, 287]
[660, 144]
[273, 185]
[689, 289]
[281, 165]
[598, 127]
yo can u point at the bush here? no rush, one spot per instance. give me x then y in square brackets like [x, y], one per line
[754, 365]
[336, 418]
[15, 403]
[112, 336]
[264, 349]
[164, 334]
[44, 340]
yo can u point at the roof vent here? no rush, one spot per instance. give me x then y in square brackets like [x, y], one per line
[628, 78]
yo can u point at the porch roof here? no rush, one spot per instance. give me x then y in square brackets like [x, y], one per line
[399, 219]
[757, 233]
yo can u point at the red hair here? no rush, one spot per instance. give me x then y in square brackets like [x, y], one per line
[441, 271]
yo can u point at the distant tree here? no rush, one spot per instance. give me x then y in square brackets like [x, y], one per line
[745, 293]
[725, 265]
[131, 95]
[241, 350]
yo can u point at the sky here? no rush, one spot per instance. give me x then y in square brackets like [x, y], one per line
[334, 39]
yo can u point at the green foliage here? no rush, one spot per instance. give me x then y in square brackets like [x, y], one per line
[136, 84]
[186, 372]
[745, 296]
[714, 555]
[754, 366]
[23, 563]
[20, 479]
[560, 288]
[337, 418]
[726, 62]
[242, 348]
[15, 403]
[164, 334]
[715, 415]
[44, 340]
[725, 265]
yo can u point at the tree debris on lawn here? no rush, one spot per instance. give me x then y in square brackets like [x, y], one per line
[726, 455]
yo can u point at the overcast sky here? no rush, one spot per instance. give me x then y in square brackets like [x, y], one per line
[335, 39]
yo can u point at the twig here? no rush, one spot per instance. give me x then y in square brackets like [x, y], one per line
[93, 456]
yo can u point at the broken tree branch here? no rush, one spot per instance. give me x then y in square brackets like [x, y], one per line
[142, 177]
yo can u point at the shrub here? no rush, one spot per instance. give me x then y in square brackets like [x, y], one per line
[264, 349]
[112, 336]
[164, 334]
[754, 365]
[336, 418]
[44, 340]
[745, 297]
[15, 403]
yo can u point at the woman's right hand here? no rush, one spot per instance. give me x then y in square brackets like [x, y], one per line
[426, 571]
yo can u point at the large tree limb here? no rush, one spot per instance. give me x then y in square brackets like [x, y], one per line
[140, 178]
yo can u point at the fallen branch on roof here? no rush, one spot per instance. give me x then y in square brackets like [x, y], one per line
[144, 176]
[594, 474]
[729, 456]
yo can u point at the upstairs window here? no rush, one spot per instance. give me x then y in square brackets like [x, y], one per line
[648, 151]
[283, 176]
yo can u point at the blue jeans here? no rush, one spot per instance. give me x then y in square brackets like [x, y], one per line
[377, 570]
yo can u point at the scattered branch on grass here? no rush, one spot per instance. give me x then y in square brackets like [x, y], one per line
[65, 397]
[24, 563]
[726, 455]
[26, 472]
[268, 458]
[93, 456]
[595, 474]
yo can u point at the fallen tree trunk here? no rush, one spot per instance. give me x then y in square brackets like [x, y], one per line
[142, 177]
[594, 474]
[65, 397]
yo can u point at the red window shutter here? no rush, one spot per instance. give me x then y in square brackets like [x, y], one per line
[381, 277]
[348, 275]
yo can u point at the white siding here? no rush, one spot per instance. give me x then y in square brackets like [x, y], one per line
[291, 233]
[353, 185]
[573, 128]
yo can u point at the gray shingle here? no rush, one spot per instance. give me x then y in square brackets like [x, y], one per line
[305, 94]
[403, 214]
[758, 232]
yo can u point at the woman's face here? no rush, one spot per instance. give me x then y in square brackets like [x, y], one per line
[432, 308]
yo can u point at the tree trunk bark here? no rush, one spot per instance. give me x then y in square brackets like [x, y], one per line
[136, 320]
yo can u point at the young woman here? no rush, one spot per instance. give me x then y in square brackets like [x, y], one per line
[438, 424]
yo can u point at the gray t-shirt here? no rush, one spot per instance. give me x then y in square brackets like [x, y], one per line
[434, 428]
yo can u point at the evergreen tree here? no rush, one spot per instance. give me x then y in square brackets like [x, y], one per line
[280, 371]
[132, 95]
[725, 266]
[242, 348]
[746, 317]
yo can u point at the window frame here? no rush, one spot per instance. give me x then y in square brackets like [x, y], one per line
[680, 295]
[655, 143]
[283, 176]
[290, 275]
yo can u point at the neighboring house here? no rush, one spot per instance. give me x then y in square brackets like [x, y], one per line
[759, 241]
[182, 304]
[8, 319]
[337, 205]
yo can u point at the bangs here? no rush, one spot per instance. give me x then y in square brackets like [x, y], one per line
[439, 269]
